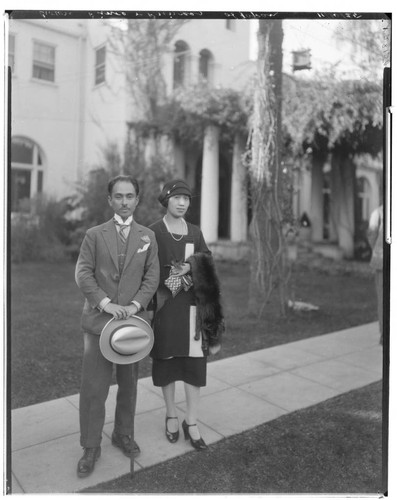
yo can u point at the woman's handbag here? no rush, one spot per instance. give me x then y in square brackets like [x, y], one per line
[177, 283]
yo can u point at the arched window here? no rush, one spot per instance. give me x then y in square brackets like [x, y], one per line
[206, 65]
[363, 196]
[181, 66]
[27, 171]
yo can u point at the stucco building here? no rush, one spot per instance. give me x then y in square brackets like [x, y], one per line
[69, 100]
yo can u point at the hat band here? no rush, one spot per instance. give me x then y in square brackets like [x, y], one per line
[175, 191]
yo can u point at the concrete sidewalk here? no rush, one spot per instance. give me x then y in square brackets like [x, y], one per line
[242, 392]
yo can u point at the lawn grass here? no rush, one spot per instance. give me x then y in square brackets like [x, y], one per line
[45, 342]
[333, 447]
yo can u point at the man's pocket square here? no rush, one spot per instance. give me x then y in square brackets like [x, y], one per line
[143, 249]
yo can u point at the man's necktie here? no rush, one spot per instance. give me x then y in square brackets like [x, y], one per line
[123, 230]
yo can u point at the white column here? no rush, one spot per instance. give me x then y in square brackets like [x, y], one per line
[238, 208]
[209, 212]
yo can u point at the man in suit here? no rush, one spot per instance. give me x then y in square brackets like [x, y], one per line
[118, 273]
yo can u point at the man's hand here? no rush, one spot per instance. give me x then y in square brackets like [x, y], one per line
[131, 309]
[118, 312]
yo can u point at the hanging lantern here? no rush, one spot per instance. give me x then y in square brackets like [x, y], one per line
[301, 59]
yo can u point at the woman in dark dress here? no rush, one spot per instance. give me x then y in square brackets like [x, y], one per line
[188, 316]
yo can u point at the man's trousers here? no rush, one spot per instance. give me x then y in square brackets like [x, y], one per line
[95, 383]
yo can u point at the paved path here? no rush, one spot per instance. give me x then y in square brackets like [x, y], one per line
[242, 392]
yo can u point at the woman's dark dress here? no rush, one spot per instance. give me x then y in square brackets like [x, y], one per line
[176, 354]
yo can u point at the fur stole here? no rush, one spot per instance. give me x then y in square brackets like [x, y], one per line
[206, 289]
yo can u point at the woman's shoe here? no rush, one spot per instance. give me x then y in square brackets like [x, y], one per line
[198, 444]
[171, 436]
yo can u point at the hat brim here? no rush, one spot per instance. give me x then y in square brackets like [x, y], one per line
[145, 341]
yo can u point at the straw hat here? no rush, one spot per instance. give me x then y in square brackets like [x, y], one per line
[125, 341]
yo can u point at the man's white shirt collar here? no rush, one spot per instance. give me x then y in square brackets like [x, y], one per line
[118, 219]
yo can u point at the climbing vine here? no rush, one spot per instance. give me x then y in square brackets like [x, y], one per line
[324, 113]
[189, 110]
[269, 266]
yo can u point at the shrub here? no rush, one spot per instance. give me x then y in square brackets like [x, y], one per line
[151, 175]
[93, 198]
[151, 181]
[25, 242]
[30, 241]
[40, 233]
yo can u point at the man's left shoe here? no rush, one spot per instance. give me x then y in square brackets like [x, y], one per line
[123, 442]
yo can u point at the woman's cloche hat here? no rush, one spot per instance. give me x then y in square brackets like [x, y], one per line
[125, 341]
[173, 188]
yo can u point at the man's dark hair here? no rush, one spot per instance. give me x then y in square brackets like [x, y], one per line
[123, 178]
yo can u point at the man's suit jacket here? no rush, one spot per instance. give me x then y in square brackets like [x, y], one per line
[97, 271]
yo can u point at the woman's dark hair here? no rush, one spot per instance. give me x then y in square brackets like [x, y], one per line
[123, 178]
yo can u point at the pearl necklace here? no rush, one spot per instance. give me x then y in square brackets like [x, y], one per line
[184, 227]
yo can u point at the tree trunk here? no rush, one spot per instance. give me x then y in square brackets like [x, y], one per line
[269, 257]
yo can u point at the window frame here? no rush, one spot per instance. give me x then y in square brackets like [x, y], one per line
[364, 191]
[43, 65]
[181, 64]
[100, 68]
[36, 169]
[206, 61]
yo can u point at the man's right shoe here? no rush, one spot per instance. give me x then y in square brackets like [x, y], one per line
[87, 462]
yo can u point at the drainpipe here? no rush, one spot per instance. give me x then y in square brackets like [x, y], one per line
[81, 101]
